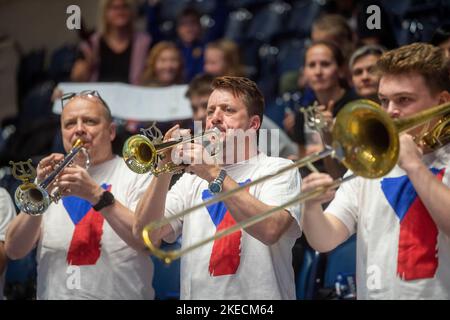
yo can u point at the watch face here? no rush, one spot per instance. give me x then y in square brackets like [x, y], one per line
[214, 187]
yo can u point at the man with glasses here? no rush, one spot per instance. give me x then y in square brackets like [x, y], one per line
[86, 249]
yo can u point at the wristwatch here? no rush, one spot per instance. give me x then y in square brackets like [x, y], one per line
[106, 199]
[216, 185]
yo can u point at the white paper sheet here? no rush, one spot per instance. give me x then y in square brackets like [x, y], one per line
[135, 102]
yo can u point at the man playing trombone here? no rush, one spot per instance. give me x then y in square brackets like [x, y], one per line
[402, 220]
[85, 241]
[254, 263]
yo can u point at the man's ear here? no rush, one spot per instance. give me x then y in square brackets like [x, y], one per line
[255, 122]
[112, 131]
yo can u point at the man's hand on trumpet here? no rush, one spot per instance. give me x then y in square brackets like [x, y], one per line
[47, 165]
[410, 156]
[172, 134]
[198, 161]
[76, 181]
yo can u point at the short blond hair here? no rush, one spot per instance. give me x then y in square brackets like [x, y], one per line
[421, 58]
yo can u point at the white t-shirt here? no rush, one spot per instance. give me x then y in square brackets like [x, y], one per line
[401, 254]
[7, 213]
[90, 261]
[240, 266]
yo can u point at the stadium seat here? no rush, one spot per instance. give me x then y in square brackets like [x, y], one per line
[166, 278]
[20, 278]
[268, 22]
[306, 278]
[61, 63]
[238, 22]
[341, 260]
[301, 17]
[291, 55]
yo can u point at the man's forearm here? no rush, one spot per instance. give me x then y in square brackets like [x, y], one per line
[151, 207]
[23, 233]
[324, 232]
[121, 220]
[243, 206]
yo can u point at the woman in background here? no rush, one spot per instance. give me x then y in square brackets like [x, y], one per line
[164, 66]
[116, 52]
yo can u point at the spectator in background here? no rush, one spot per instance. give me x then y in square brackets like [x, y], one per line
[164, 66]
[116, 52]
[7, 213]
[189, 40]
[365, 77]
[356, 15]
[334, 28]
[441, 38]
[325, 75]
[222, 58]
[198, 93]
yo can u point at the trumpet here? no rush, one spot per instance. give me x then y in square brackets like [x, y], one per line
[34, 198]
[365, 140]
[142, 152]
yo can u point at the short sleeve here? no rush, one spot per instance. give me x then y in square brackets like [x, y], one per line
[7, 212]
[137, 189]
[282, 189]
[345, 204]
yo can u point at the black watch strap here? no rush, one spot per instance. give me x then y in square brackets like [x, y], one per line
[106, 199]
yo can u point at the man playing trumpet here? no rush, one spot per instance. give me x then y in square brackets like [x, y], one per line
[254, 263]
[402, 220]
[85, 242]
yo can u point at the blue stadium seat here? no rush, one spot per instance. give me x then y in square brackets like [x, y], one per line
[169, 9]
[396, 8]
[21, 270]
[269, 21]
[306, 278]
[291, 55]
[61, 63]
[302, 16]
[341, 260]
[247, 3]
[166, 278]
[237, 24]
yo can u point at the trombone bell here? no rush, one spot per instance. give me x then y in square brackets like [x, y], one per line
[366, 139]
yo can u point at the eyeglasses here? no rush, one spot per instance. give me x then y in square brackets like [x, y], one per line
[85, 94]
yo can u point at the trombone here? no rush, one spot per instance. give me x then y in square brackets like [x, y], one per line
[365, 140]
[34, 198]
[142, 152]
